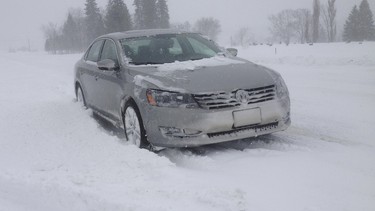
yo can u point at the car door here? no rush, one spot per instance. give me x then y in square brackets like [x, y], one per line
[110, 83]
[89, 72]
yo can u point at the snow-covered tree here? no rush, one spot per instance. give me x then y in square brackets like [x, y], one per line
[208, 26]
[351, 28]
[162, 14]
[94, 21]
[117, 18]
[366, 22]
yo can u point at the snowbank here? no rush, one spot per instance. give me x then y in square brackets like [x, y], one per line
[339, 54]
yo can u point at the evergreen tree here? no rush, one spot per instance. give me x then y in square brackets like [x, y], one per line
[79, 19]
[94, 21]
[150, 14]
[70, 34]
[351, 28]
[117, 18]
[52, 35]
[138, 15]
[47, 45]
[163, 14]
[145, 16]
[315, 21]
[366, 22]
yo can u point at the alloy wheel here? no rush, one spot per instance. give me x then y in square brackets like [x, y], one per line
[132, 127]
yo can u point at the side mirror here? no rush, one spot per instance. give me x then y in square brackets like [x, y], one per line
[107, 65]
[232, 51]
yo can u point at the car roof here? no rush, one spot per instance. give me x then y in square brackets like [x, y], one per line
[141, 33]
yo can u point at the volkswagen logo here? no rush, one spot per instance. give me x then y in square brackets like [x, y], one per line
[242, 96]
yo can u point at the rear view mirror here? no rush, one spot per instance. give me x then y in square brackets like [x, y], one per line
[232, 51]
[107, 65]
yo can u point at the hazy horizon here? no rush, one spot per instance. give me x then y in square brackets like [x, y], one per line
[22, 21]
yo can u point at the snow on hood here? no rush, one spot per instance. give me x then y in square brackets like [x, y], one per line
[196, 64]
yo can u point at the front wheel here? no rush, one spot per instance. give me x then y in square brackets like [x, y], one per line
[134, 130]
[80, 97]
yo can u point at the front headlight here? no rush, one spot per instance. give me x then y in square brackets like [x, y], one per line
[170, 99]
[281, 88]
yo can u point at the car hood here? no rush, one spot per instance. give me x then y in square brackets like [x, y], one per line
[217, 74]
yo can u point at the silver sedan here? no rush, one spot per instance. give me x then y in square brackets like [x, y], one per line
[168, 88]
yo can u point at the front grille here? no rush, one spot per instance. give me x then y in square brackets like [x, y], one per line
[236, 132]
[220, 100]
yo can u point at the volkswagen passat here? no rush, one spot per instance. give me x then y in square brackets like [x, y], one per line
[167, 88]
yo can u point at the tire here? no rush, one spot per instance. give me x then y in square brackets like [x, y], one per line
[134, 130]
[80, 97]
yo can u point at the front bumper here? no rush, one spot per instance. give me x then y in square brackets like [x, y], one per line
[171, 127]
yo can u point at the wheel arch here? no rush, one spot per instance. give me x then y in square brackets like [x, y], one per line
[130, 100]
[76, 85]
[126, 100]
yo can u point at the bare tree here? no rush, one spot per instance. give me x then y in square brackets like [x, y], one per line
[52, 35]
[186, 26]
[308, 22]
[208, 26]
[243, 37]
[303, 22]
[283, 25]
[316, 21]
[329, 20]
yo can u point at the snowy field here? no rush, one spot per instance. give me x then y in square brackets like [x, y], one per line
[56, 156]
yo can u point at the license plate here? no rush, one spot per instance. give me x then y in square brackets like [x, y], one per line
[247, 117]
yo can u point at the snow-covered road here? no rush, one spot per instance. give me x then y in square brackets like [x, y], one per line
[56, 156]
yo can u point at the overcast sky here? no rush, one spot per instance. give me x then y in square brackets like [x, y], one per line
[21, 20]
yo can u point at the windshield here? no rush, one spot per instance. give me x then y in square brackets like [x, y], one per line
[168, 48]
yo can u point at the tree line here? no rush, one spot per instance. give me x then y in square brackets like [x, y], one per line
[360, 24]
[83, 26]
[320, 25]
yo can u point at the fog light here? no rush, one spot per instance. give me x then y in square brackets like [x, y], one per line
[177, 132]
[170, 130]
[191, 132]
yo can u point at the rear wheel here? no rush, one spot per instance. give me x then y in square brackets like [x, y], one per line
[134, 130]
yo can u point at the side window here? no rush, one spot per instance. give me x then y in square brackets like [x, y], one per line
[94, 52]
[201, 48]
[176, 49]
[109, 51]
